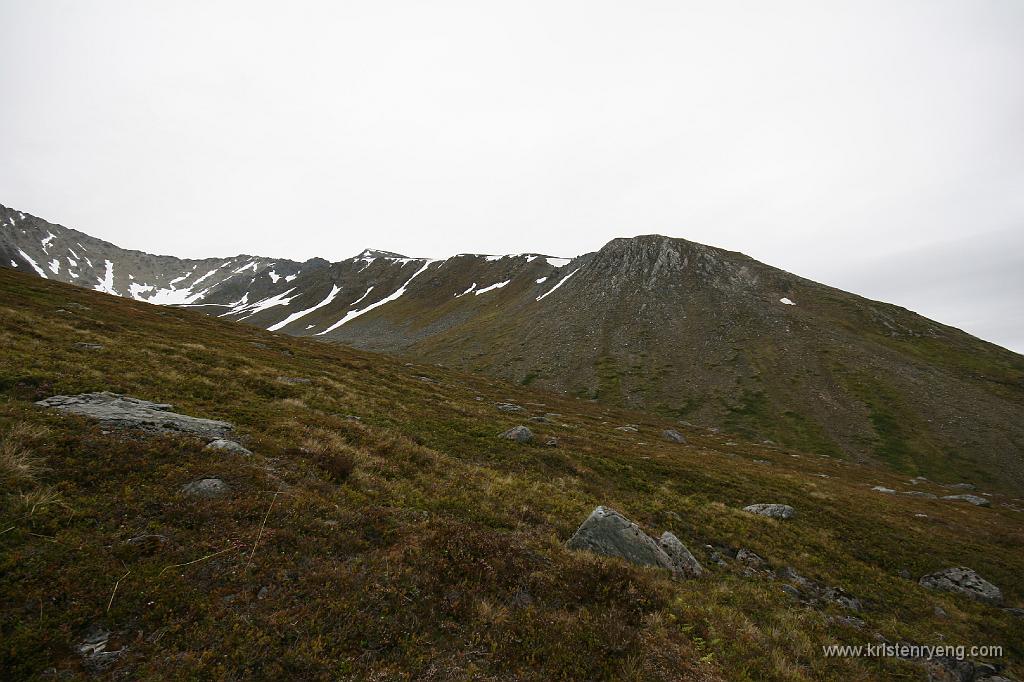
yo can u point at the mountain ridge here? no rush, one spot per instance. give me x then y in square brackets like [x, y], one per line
[689, 331]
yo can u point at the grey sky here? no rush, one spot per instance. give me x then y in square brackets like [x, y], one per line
[874, 146]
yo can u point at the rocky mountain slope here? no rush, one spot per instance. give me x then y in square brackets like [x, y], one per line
[185, 498]
[692, 332]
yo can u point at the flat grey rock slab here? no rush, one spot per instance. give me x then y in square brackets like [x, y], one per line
[609, 533]
[294, 380]
[775, 511]
[963, 580]
[973, 499]
[114, 409]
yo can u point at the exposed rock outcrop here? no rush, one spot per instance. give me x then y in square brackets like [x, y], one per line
[113, 409]
[963, 580]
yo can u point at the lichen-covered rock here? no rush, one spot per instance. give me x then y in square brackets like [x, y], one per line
[673, 436]
[205, 487]
[519, 434]
[113, 409]
[225, 445]
[775, 511]
[965, 581]
[610, 533]
[683, 561]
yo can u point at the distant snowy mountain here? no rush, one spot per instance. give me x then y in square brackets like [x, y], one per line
[694, 332]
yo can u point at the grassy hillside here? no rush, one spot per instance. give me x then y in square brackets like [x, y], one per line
[412, 543]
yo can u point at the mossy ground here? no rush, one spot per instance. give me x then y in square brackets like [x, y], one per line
[441, 556]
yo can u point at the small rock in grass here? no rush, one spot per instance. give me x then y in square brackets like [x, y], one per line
[883, 489]
[148, 544]
[519, 434]
[673, 436]
[749, 558]
[849, 621]
[509, 407]
[205, 487]
[225, 445]
[628, 428]
[839, 596]
[775, 511]
[714, 556]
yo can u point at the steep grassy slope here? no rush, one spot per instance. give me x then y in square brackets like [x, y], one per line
[441, 556]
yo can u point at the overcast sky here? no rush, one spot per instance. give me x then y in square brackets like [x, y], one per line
[874, 146]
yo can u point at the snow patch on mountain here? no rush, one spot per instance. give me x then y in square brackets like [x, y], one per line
[335, 290]
[106, 283]
[786, 301]
[557, 262]
[499, 285]
[560, 283]
[35, 266]
[352, 314]
[263, 304]
[135, 290]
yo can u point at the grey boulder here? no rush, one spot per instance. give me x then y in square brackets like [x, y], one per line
[673, 436]
[962, 580]
[116, 410]
[775, 511]
[519, 434]
[225, 445]
[683, 562]
[609, 533]
[205, 487]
